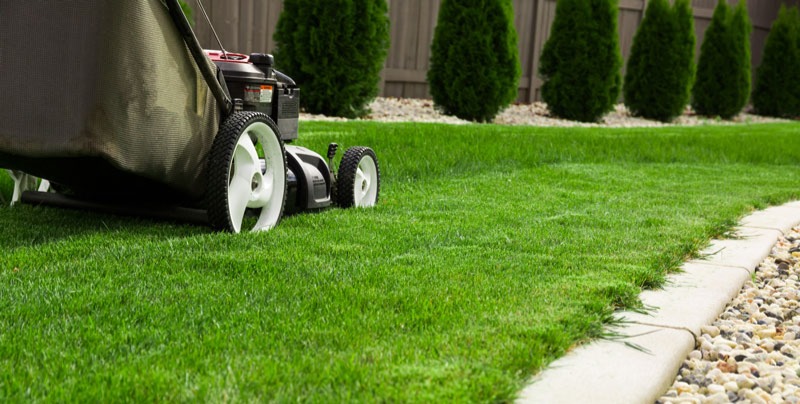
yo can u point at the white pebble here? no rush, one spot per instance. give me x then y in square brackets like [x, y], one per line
[710, 330]
[745, 382]
[766, 332]
[717, 398]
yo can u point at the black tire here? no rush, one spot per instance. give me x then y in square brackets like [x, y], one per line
[221, 173]
[357, 159]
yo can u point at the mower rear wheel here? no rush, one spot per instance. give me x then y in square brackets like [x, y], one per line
[358, 180]
[246, 174]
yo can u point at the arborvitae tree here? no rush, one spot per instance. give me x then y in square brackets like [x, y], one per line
[607, 53]
[581, 61]
[333, 49]
[740, 30]
[660, 66]
[474, 69]
[686, 40]
[650, 77]
[777, 89]
[723, 71]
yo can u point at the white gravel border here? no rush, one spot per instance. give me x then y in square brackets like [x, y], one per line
[418, 110]
[613, 371]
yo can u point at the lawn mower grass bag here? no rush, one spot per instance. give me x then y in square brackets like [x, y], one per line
[103, 98]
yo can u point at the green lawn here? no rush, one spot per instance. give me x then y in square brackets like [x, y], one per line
[492, 251]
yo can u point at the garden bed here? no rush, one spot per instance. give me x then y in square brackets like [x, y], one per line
[418, 110]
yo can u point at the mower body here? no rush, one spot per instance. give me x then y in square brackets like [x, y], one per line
[115, 107]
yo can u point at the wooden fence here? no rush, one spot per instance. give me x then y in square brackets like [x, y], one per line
[247, 25]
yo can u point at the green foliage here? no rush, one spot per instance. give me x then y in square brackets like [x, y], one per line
[687, 41]
[187, 11]
[741, 29]
[334, 50]
[777, 90]
[722, 86]
[474, 69]
[581, 61]
[661, 64]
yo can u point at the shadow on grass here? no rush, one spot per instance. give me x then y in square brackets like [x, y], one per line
[30, 226]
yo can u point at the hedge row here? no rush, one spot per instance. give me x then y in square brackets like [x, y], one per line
[336, 49]
[580, 74]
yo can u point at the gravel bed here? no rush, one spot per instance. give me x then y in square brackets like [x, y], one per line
[750, 353]
[536, 114]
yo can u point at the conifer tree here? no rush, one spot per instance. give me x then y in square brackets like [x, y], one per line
[740, 30]
[722, 84]
[580, 63]
[333, 49]
[777, 89]
[687, 41]
[660, 66]
[474, 71]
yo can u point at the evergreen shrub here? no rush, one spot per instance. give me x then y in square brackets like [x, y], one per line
[722, 85]
[335, 50]
[661, 64]
[474, 67]
[777, 89]
[581, 61]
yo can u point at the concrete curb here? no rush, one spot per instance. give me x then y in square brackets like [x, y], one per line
[642, 364]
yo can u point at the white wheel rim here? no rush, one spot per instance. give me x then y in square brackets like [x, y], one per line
[365, 189]
[255, 182]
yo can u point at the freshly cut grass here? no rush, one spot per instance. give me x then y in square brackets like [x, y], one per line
[493, 250]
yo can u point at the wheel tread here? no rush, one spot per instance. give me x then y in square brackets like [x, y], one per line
[345, 181]
[218, 165]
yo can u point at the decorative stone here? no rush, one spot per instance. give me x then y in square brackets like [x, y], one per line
[766, 332]
[710, 330]
[745, 382]
[750, 353]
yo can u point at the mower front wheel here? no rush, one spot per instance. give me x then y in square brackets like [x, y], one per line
[358, 181]
[244, 189]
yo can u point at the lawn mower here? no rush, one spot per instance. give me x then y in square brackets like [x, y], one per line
[115, 107]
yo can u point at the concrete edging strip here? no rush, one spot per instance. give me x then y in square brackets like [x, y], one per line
[642, 364]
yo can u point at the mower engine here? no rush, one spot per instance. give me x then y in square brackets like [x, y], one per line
[261, 88]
